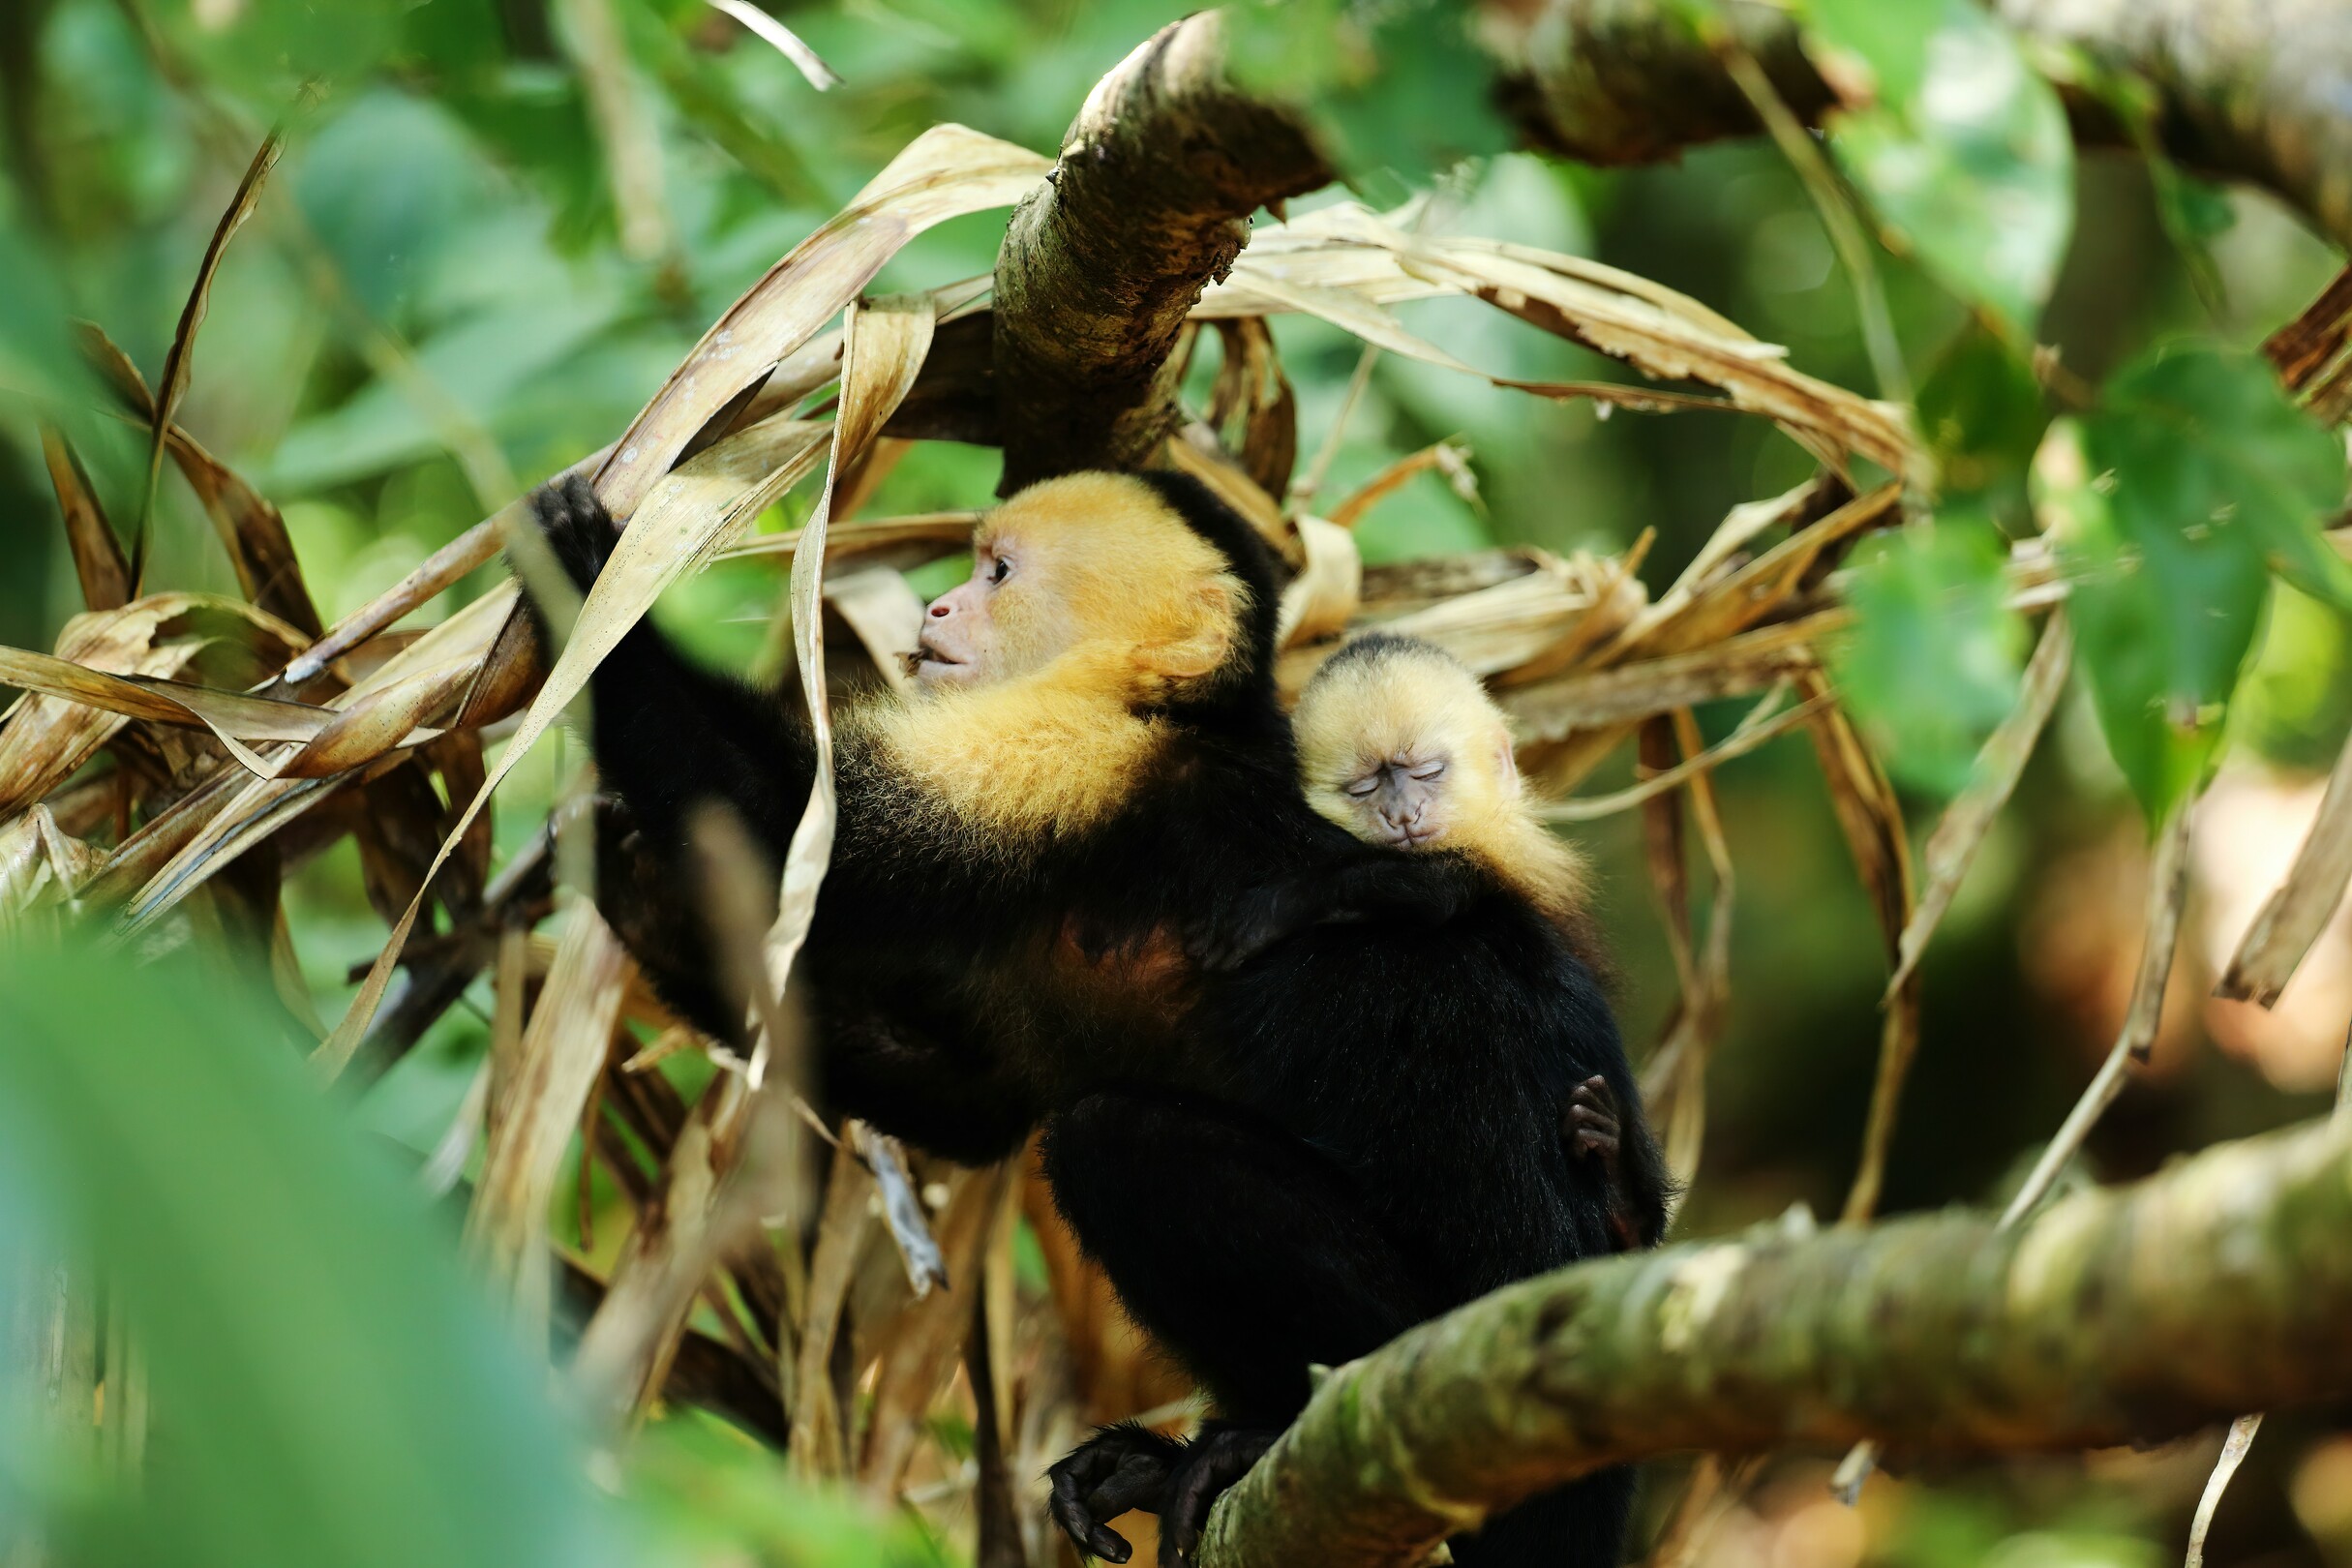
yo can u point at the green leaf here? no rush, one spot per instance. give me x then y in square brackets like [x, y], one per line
[1398, 87]
[1962, 150]
[2243, 452]
[2198, 479]
[327, 1387]
[1933, 663]
[1981, 414]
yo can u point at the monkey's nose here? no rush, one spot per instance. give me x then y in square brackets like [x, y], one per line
[941, 610]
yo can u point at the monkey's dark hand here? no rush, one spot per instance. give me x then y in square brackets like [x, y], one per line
[1245, 925]
[1219, 1457]
[576, 527]
[1118, 1469]
[1595, 1132]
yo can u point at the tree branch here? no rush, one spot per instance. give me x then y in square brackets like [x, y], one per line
[1150, 202]
[2123, 1313]
[2247, 88]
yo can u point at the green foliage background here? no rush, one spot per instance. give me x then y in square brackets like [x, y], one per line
[434, 307]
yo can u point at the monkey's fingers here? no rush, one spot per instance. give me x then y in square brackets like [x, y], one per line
[1117, 1470]
[1088, 1534]
[1592, 1111]
[1215, 1462]
[576, 526]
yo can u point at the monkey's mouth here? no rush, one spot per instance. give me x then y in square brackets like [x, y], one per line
[941, 665]
[1400, 838]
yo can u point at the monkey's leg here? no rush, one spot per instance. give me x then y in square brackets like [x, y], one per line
[1241, 1249]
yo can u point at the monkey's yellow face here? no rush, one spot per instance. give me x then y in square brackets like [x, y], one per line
[1405, 749]
[1094, 562]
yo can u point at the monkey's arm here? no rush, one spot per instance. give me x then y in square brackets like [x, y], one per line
[1419, 890]
[668, 735]
[914, 1083]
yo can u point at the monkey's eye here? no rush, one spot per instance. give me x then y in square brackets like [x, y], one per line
[1430, 769]
[1004, 569]
[1362, 786]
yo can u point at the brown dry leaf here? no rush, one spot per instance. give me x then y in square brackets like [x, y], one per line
[47, 737]
[178, 360]
[1252, 407]
[1344, 263]
[883, 612]
[232, 717]
[98, 554]
[944, 173]
[2308, 352]
[1355, 314]
[708, 1209]
[818, 1433]
[214, 825]
[1676, 1076]
[1449, 457]
[1194, 450]
[1872, 819]
[1961, 829]
[1741, 527]
[709, 497]
[1760, 725]
[40, 865]
[1716, 608]
[923, 1345]
[1868, 811]
[250, 527]
[539, 1103]
[2292, 918]
[1618, 599]
[1556, 709]
[1515, 622]
[476, 547]
[1324, 596]
[898, 542]
[884, 350]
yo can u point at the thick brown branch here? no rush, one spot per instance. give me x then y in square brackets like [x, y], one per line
[2247, 88]
[1150, 202]
[2133, 1313]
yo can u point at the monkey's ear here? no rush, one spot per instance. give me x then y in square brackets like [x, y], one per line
[1506, 766]
[1213, 615]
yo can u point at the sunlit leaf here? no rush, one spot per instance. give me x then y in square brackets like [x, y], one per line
[2243, 453]
[1932, 667]
[2198, 479]
[1962, 149]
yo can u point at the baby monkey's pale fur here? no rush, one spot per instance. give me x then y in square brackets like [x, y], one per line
[1400, 744]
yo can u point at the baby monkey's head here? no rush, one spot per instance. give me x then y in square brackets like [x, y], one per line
[1399, 744]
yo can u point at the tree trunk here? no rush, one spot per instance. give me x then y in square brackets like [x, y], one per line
[2222, 1284]
[2247, 88]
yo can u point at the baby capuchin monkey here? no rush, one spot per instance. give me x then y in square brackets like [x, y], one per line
[1400, 745]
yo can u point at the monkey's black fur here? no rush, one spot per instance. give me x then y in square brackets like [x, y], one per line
[1352, 1130]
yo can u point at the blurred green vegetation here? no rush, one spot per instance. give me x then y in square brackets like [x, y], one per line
[435, 307]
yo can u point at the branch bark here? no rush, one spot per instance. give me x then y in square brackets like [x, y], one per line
[2119, 1314]
[2247, 88]
[1150, 202]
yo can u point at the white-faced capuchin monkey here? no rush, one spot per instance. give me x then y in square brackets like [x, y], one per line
[1094, 763]
[1400, 745]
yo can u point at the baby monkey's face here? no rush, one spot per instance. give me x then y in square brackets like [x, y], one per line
[1404, 796]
